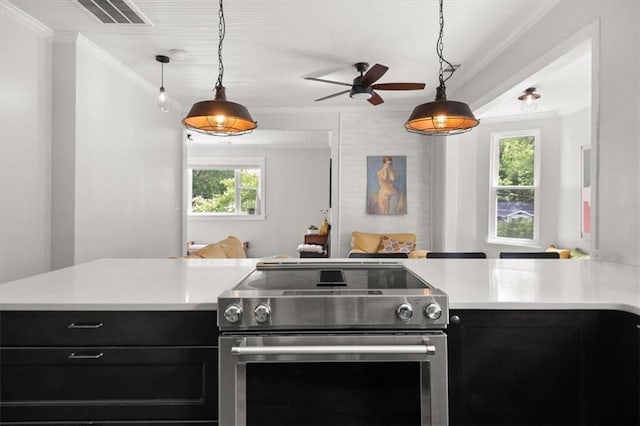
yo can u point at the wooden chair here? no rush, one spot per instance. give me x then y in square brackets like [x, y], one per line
[529, 255]
[456, 255]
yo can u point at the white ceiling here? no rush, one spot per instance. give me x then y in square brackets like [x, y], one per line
[270, 46]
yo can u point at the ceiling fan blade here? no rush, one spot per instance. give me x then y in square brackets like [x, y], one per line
[328, 81]
[399, 86]
[332, 96]
[375, 99]
[374, 74]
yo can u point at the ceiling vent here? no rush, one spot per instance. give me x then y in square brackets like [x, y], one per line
[114, 11]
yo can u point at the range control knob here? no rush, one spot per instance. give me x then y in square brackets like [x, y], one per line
[404, 311]
[262, 313]
[433, 311]
[233, 313]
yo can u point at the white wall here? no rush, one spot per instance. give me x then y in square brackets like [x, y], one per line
[468, 185]
[316, 120]
[459, 197]
[297, 188]
[382, 133]
[576, 132]
[614, 28]
[63, 151]
[128, 164]
[104, 179]
[25, 145]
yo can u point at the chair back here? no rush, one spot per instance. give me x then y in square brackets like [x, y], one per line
[529, 255]
[456, 255]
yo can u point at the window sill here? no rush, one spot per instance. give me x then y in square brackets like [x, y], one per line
[226, 217]
[514, 242]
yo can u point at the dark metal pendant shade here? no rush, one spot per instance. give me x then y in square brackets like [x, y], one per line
[441, 117]
[219, 117]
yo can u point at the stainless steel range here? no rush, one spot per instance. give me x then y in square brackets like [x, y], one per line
[349, 343]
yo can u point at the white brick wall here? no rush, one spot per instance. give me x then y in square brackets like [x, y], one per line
[382, 133]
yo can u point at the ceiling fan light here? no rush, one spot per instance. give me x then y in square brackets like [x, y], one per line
[219, 117]
[361, 92]
[441, 118]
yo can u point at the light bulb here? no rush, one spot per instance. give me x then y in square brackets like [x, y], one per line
[529, 104]
[163, 100]
[220, 120]
[441, 121]
[529, 100]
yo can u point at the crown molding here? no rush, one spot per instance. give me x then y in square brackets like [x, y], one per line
[489, 57]
[520, 117]
[65, 37]
[25, 19]
[579, 105]
[105, 57]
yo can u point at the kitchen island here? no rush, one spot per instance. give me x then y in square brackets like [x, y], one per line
[530, 341]
[192, 284]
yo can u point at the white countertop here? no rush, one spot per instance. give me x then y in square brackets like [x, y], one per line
[184, 284]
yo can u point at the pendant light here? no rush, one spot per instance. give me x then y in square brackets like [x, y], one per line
[163, 98]
[441, 117]
[529, 99]
[219, 117]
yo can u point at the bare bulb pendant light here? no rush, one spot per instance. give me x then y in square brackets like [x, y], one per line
[529, 99]
[441, 117]
[162, 100]
[219, 117]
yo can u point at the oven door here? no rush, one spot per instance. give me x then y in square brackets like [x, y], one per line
[365, 379]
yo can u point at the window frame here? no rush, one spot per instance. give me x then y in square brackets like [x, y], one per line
[492, 237]
[227, 163]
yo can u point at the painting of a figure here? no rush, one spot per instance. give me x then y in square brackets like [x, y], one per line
[387, 185]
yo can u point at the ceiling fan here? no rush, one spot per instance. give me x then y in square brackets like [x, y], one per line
[363, 87]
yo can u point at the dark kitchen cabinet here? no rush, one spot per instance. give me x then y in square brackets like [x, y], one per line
[618, 369]
[108, 367]
[543, 368]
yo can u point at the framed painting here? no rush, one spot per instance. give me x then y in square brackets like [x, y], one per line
[387, 185]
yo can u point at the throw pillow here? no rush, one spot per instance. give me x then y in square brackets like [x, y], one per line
[576, 253]
[391, 245]
[211, 251]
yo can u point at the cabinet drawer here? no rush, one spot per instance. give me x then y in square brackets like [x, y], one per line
[108, 328]
[89, 383]
[118, 423]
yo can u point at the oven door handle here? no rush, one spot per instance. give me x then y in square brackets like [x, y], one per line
[335, 350]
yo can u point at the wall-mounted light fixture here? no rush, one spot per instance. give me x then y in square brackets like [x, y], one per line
[163, 98]
[219, 117]
[441, 117]
[529, 99]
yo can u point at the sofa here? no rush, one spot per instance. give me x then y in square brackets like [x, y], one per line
[229, 248]
[564, 253]
[367, 242]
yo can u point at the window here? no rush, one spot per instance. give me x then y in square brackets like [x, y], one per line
[513, 205]
[225, 187]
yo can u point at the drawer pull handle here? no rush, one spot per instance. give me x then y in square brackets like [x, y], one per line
[91, 325]
[85, 356]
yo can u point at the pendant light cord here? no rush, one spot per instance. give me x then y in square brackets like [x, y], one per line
[162, 75]
[221, 32]
[440, 48]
